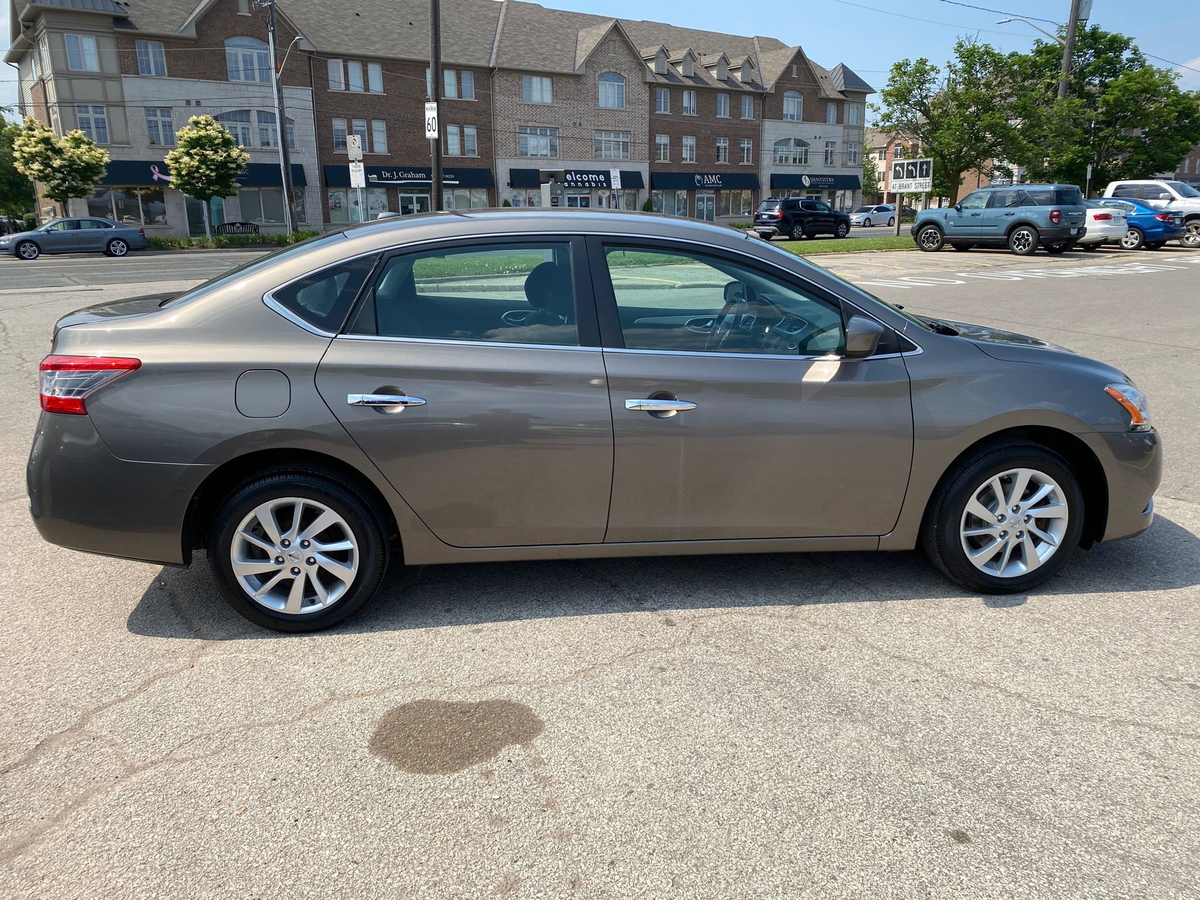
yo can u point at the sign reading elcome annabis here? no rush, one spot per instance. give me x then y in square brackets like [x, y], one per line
[912, 176]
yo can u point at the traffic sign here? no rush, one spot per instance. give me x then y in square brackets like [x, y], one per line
[912, 176]
[358, 175]
[354, 147]
[431, 120]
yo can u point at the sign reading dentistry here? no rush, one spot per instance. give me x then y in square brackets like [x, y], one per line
[912, 176]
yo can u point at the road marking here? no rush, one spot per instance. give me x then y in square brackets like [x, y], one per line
[645, 278]
[1104, 270]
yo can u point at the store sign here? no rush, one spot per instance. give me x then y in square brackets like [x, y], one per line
[782, 181]
[712, 180]
[583, 178]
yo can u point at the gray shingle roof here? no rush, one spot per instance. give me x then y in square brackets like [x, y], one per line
[104, 6]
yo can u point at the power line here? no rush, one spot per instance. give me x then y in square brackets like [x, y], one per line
[999, 12]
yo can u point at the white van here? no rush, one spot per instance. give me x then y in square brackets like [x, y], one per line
[1173, 195]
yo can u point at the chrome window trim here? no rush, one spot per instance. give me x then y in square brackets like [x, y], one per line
[806, 358]
[449, 342]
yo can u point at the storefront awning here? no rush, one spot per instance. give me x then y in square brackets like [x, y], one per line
[704, 181]
[155, 172]
[815, 182]
[630, 180]
[412, 177]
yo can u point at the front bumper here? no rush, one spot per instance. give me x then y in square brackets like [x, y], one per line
[84, 498]
[1132, 463]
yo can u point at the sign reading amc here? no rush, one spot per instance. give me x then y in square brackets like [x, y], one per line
[912, 176]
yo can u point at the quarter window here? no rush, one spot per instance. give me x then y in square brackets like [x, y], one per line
[151, 58]
[324, 298]
[612, 91]
[454, 294]
[711, 309]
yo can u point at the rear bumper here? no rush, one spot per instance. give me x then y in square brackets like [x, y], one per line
[1103, 235]
[84, 498]
[1052, 234]
[1132, 464]
[768, 230]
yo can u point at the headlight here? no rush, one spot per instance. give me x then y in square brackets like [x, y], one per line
[1134, 402]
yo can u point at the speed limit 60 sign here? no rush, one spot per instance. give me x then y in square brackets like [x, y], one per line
[431, 122]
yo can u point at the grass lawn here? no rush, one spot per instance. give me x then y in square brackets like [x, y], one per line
[810, 247]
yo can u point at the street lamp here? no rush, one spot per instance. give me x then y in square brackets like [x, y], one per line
[1053, 37]
[1077, 12]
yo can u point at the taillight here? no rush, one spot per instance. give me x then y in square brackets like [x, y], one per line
[1103, 217]
[1056, 217]
[67, 380]
[1163, 217]
[142, 232]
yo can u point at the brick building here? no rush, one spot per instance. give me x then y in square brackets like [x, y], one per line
[616, 112]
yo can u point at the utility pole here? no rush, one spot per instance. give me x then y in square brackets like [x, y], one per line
[1068, 49]
[435, 95]
[285, 168]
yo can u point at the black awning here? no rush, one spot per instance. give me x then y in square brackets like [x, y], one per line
[155, 172]
[704, 181]
[815, 182]
[412, 177]
[524, 178]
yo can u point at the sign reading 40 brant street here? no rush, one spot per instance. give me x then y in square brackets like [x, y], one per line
[912, 176]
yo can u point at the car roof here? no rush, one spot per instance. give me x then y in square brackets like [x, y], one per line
[1010, 187]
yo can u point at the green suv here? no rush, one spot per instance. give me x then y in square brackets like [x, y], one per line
[1021, 217]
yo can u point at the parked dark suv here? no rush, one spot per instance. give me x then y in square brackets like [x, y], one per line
[798, 217]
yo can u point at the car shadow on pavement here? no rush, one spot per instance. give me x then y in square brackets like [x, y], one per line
[185, 603]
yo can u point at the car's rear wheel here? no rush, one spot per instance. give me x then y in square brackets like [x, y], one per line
[297, 550]
[842, 230]
[1134, 239]
[891, 221]
[1023, 241]
[28, 250]
[962, 248]
[798, 232]
[117, 247]
[1006, 519]
[930, 239]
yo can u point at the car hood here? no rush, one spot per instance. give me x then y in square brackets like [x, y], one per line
[1010, 346]
[134, 306]
[989, 335]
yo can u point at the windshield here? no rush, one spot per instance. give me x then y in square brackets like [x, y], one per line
[1183, 190]
[256, 263]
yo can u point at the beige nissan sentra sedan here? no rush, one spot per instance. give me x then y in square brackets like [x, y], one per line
[543, 384]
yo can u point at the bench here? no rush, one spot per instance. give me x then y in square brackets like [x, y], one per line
[237, 228]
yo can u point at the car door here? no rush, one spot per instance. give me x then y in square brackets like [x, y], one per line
[818, 217]
[734, 413]
[1157, 195]
[61, 236]
[93, 234]
[965, 220]
[998, 215]
[473, 378]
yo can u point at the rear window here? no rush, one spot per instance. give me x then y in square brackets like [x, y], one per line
[768, 206]
[1070, 196]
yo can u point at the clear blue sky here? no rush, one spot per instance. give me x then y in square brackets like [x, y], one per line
[869, 35]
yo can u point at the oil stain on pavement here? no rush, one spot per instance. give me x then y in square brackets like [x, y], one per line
[437, 737]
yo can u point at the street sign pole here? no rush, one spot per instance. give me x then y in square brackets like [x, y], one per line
[911, 176]
[358, 177]
[435, 95]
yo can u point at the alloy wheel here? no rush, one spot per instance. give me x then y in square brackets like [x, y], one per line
[1191, 237]
[1021, 241]
[931, 239]
[1132, 239]
[118, 248]
[28, 250]
[842, 229]
[294, 555]
[1014, 522]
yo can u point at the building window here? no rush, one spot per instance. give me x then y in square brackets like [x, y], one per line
[722, 150]
[612, 92]
[830, 153]
[747, 107]
[82, 55]
[689, 103]
[93, 121]
[854, 114]
[533, 141]
[881, 153]
[243, 7]
[673, 203]
[458, 85]
[450, 84]
[378, 136]
[468, 85]
[159, 127]
[747, 151]
[722, 106]
[247, 59]
[359, 127]
[337, 75]
[537, 89]
[735, 203]
[262, 205]
[470, 141]
[831, 113]
[344, 205]
[462, 198]
[898, 152]
[453, 140]
[128, 205]
[793, 106]
[688, 153]
[662, 148]
[238, 124]
[151, 58]
[339, 135]
[375, 77]
[611, 144]
[662, 100]
[268, 130]
[348, 76]
[852, 157]
[791, 152]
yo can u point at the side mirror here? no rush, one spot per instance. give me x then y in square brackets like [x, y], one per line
[958, 207]
[862, 337]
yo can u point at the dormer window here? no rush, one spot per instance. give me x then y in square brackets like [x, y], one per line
[722, 70]
[688, 67]
[661, 63]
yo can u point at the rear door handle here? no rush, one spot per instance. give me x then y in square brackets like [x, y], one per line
[1010, 214]
[655, 405]
[400, 400]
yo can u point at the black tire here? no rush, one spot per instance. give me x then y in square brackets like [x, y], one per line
[28, 250]
[930, 239]
[1135, 239]
[798, 232]
[765, 237]
[1157, 245]
[117, 247]
[842, 230]
[1023, 240]
[1090, 248]
[940, 537]
[867, 223]
[891, 221]
[962, 248]
[343, 498]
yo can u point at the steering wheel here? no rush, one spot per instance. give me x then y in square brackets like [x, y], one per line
[518, 317]
[731, 316]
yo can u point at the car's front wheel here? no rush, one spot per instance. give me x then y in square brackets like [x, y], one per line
[28, 250]
[930, 239]
[117, 247]
[866, 223]
[297, 550]
[1023, 241]
[1006, 519]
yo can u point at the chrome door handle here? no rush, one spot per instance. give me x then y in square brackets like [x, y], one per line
[383, 400]
[654, 405]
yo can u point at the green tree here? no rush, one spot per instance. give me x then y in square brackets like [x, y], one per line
[960, 118]
[870, 176]
[206, 162]
[1127, 118]
[16, 190]
[65, 167]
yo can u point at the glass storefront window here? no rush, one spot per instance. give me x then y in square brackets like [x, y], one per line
[137, 206]
[463, 198]
[346, 204]
[579, 199]
[411, 204]
[735, 203]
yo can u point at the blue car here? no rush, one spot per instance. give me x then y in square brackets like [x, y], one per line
[1149, 226]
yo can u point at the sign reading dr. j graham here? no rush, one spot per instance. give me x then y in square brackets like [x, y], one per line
[912, 176]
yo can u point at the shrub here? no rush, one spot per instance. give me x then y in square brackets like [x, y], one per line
[648, 206]
[743, 226]
[506, 203]
[29, 221]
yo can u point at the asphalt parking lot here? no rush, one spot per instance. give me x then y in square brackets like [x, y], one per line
[810, 725]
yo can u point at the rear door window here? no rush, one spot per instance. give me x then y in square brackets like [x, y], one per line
[1156, 192]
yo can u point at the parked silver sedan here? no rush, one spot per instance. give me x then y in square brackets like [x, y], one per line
[866, 216]
[538, 384]
[81, 235]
